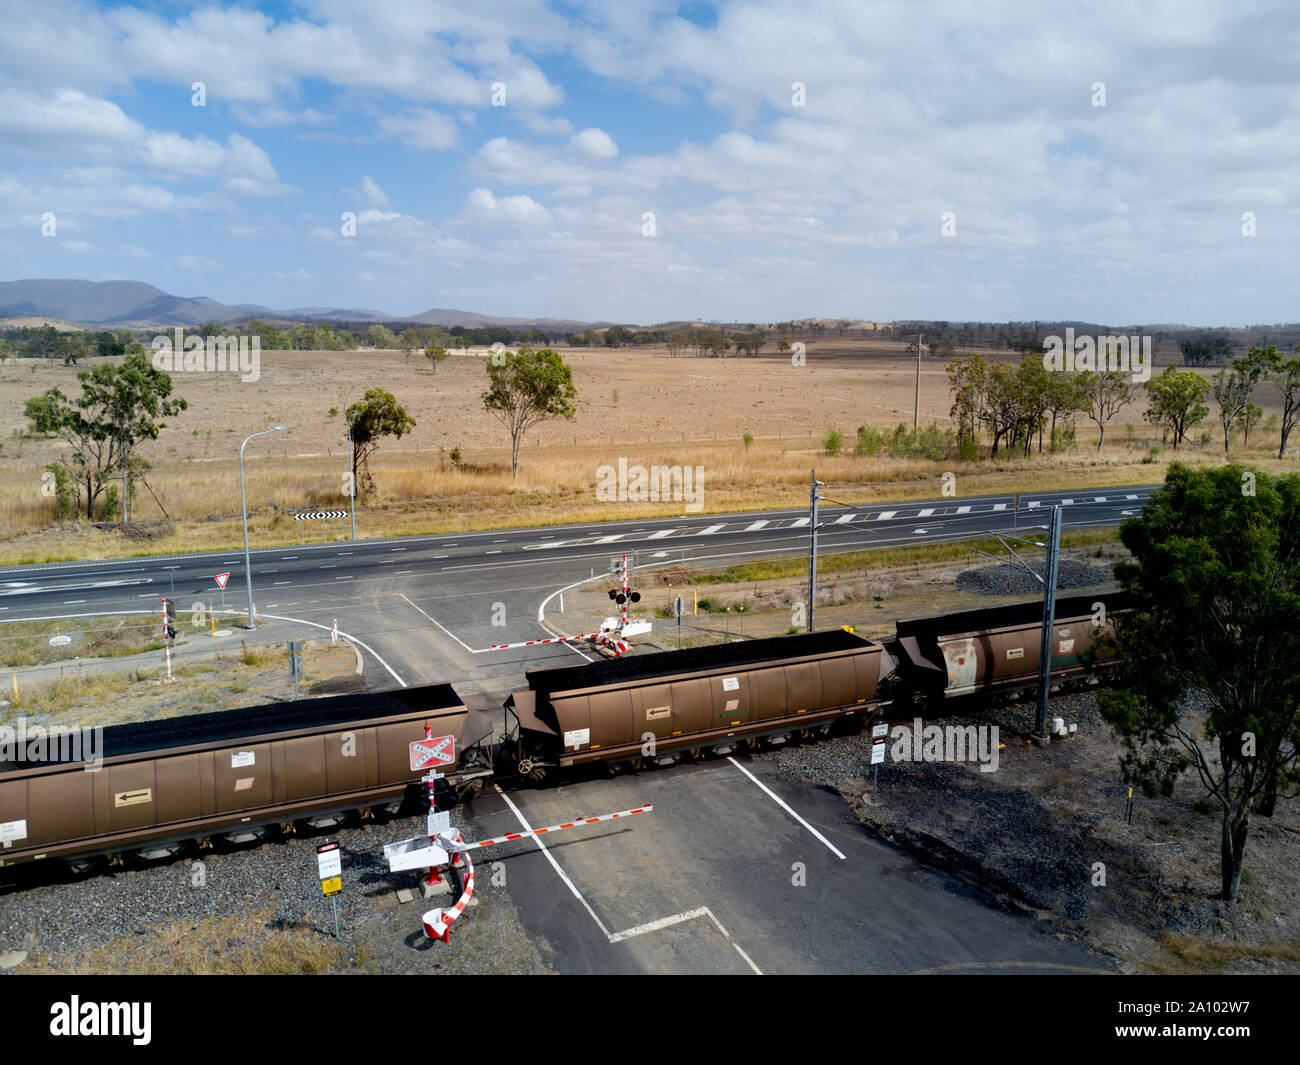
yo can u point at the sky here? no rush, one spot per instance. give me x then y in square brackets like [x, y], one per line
[643, 161]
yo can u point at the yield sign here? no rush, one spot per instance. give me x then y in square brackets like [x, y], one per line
[441, 750]
[221, 579]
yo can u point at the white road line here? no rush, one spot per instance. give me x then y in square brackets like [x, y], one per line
[69, 602]
[345, 578]
[654, 926]
[711, 529]
[496, 552]
[655, 535]
[278, 583]
[397, 549]
[1130, 497]
[1035, 505]
[925, 513]
[885, 515]
[1066, 502]
[554, 864]
[756, 526]
[963, 510]
[444, 628]
[385, 562]
[679, 918]
[342, 553]
[346, 636]
[608, 539]
[844, 518]
[999, 506]
[781, 803]
[1100, 499]
[286, 558]
[799, 523]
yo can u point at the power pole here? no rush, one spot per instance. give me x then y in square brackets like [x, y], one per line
[813, 499]
[1049, 621]
[916, 406]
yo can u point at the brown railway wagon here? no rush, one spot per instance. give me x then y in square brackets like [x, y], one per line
[997, 649]
[703, 697]
[229, 773]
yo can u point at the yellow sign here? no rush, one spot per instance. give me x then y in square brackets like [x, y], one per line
[332, 886]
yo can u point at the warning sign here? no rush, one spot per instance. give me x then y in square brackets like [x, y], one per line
[441, 750]
[221, 579]
[332, 886]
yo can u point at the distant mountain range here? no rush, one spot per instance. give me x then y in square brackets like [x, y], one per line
[133, 303]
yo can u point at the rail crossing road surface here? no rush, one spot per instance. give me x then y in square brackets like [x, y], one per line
[704, 884]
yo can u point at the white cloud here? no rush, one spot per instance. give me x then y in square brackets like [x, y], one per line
[596, 143]
[423, 130]
[483, 206]
[134, 251]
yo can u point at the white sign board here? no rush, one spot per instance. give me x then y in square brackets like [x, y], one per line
[879, 732]
[730, 684]
[221, 579]
[439, 821]
[877, 753]
[242, 759]
[330, 859]
[12, 830]
[60, 641]
[577, 737]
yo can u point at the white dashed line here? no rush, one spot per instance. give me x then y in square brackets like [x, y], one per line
[844, 518]
[799, 523]
[756, 526]
[655, 535]
[963, 510]
[925, 513]
[999, 506]
[711, 529]
[885, 515]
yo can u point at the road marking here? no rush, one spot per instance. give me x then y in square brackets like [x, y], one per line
[444, 628]
[342, 553]
[496, 552]
[925, 513]
[498, 541]
[1100, 499]
[917, 531]
[397, 549]
[1066, 502]
[885, 515]
[278, 583]
[711, 529]
[679, 918]
[963, 510]
[799, 523]
[784, 806]
[344, 578]
[1130, 497]
[844, 518]
[332, 566]
[554, 864]
[605, 539]
[999, 506]
[655, 535]
[756, 526]
[1035, 505]
[286, 558]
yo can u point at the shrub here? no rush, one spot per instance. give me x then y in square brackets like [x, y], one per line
[834, 442]
[748, 438]
[870, 441]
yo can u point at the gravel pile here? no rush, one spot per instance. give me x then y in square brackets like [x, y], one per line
[57, 921]
[1014, 580]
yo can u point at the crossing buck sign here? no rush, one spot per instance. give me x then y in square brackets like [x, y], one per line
[440, 750]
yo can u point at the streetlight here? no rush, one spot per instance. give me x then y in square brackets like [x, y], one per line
[248, 571]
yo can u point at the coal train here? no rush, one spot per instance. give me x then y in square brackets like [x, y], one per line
[235, 775]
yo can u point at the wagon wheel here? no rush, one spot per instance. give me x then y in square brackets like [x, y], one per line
[538, 774]
[470, 790]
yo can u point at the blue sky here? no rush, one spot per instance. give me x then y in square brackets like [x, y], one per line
[768, 203]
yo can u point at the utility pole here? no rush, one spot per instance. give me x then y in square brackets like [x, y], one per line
[813, 499]
[352, 477]
[1049, 621]
[916, 405]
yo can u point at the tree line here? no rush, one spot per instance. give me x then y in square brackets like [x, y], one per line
[1014, 406]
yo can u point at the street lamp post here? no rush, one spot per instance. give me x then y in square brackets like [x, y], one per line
[248, 570]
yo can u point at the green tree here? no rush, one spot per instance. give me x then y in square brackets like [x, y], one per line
[1103, 394]
[834, 442]
[1209, 678]
[1286, 376]
[44, 413]
[525, 389]
[376, 415]
[1174, 402]
[435, 353]
[1250, 417]
[1233, 388]
[120, 406]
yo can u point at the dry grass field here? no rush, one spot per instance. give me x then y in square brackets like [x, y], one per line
[637, 404]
